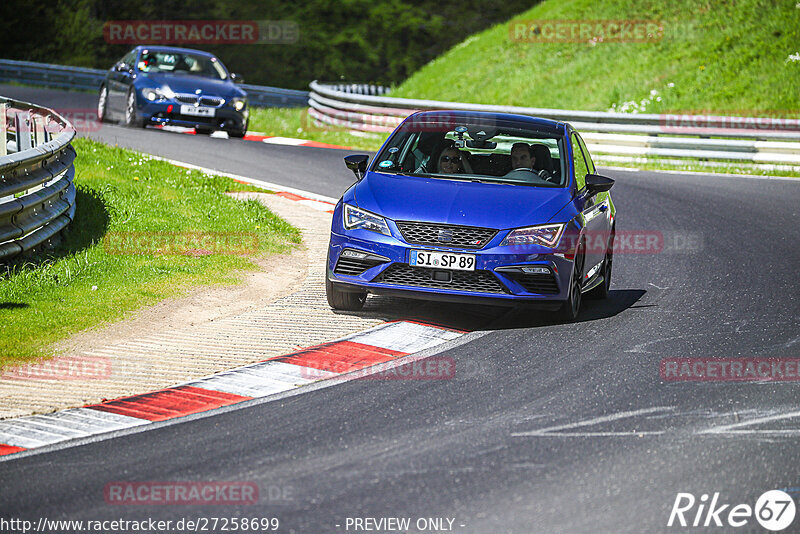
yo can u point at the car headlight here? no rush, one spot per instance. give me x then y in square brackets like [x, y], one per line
[544, 234]
[158, 94]
[355, 218]
[239, 103]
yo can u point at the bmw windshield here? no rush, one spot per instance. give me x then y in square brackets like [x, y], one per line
[470, 149]
[181, 63]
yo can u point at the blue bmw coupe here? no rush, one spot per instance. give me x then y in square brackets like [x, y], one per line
[175, 86]
[474, 207]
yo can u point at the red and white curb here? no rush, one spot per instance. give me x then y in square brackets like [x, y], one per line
[319, 205]
[255, 136]
[356, 352]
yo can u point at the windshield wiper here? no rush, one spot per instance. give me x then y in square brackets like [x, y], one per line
[415, 174]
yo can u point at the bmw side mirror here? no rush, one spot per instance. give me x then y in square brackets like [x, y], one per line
[358, 164]
[237, 78]
[123, 67]
[597, 184]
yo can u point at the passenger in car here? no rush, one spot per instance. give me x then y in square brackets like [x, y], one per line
[452, 160]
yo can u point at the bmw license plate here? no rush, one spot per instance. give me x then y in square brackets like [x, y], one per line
[197, 111]
[442, 260]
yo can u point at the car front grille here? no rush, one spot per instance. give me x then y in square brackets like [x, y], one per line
[445, 235]
[474, 281]
[536, 283]
[354, 266]
[211, 101]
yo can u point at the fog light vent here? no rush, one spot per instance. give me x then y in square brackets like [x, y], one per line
[442, 276]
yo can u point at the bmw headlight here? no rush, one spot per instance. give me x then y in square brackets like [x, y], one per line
[544, 234]
[355, 218]
[154, 95]
[238, 103]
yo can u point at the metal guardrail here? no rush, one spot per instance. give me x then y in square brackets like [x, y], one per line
[37, 194]
[80, 78]
[619, 134]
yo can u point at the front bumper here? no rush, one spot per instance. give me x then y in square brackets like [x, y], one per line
[225, 117]
[497, 279]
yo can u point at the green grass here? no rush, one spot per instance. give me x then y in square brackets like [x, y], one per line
[88, 281]
[295, 123]
[723, 56]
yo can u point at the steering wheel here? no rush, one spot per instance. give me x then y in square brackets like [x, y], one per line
[543, 175]
[521, 173]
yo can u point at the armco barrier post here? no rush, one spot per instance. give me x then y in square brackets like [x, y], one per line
[38, 130]
[3, 129]
[22, 125]
[4, 140]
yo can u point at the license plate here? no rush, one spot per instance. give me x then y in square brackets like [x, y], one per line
[197, 111]
[442, 260]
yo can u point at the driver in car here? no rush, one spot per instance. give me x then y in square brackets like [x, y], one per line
[523, 157]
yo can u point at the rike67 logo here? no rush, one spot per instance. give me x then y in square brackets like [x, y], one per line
[774, 510]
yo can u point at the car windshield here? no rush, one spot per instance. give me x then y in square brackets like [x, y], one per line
[477, 148]
[182, 63]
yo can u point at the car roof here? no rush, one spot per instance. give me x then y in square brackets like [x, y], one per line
[162, 48]
[488, 117]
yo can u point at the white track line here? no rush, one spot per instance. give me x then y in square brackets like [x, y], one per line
[554, 430]
[252, 181]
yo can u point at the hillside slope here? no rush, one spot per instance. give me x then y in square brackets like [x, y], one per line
[736, 57]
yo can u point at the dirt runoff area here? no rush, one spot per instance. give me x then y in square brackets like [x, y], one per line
[274, 311]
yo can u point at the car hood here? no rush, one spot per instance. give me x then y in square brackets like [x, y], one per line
[444, 201]
[187, 83]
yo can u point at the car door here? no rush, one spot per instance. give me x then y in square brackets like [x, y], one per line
[119, 80]
[594, 208]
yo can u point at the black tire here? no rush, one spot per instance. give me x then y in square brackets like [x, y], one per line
[342, 300]
[238, 134]
[132, 118]
[572, 306]
[102, 105]
[603, 290]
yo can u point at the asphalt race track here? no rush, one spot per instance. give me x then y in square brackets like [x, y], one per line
[544, 428]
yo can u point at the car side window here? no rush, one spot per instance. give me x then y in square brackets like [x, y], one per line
[581, 168]
[589, 163]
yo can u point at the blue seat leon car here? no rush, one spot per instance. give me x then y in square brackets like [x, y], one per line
[174, 86]
[474, 207]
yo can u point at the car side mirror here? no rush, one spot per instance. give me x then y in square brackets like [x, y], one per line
[358, 164]
[123, 67]
[597, 184]
[237, 78]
